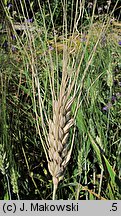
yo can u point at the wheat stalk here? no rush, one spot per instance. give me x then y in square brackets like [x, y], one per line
[58, 149]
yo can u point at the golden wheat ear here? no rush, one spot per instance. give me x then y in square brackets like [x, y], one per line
[59, 127]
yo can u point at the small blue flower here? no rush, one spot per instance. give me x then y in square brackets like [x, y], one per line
[109, 105]
[5, 44]
[29, 20]
[13, 48]
[9, 5]
[51, 48]
[83, 39]
[105, 108]
[113, 98]
[13, 37]
[119, 84]
[119, 43]
[115, 82]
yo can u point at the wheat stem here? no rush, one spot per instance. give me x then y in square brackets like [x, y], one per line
[55, 186]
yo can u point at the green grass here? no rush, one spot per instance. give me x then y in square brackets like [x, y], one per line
[29, 77]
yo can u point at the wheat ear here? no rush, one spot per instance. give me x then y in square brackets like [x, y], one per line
[58, 139]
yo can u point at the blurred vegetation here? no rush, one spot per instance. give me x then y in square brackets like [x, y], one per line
[94, 170]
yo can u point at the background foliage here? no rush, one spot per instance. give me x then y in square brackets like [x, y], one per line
[94, 170]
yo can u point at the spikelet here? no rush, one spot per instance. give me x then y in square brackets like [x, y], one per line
[58, 137]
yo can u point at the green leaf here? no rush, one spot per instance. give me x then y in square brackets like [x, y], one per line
[79, 119]
[110, 170]
[91, 196]
[96, 149]
[114, 180]
[6, 196]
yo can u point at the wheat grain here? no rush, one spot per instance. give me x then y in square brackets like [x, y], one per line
[58, 137]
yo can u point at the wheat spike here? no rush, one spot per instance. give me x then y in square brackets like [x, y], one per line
[58, 138]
